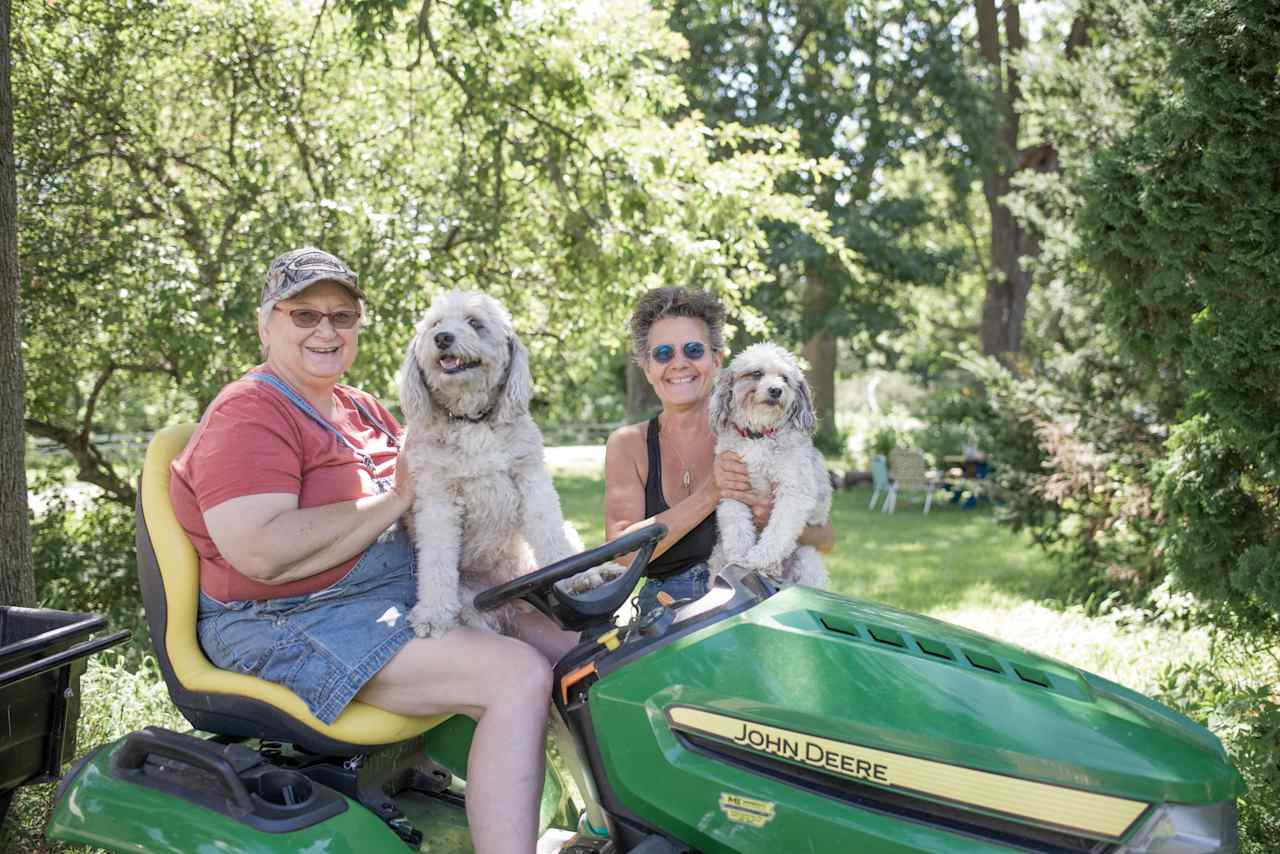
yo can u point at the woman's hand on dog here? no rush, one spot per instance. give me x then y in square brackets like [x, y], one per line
[402, 486]
[733, 481]
[731, 477]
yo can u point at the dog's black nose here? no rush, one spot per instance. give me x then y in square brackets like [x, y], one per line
[444, 339]
[775, 392]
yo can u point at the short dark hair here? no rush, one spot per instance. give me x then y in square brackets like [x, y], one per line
[660, 303]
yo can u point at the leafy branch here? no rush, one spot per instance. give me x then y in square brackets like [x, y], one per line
[93, 465]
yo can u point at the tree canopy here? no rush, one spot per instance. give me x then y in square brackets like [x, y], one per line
[866, 84]
[166, 155]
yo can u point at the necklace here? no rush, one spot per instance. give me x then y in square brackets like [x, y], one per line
[686, 475]
[686, 479]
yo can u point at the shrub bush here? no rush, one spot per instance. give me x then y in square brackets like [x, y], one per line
[882, 440]
[1071, 452]
[85, 560]
[1233, 695]
[869, 434]
[1180, 214]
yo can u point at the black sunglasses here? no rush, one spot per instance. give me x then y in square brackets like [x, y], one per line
[309, 318]
[693, 351]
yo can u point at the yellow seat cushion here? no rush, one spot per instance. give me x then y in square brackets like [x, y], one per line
[359, 723]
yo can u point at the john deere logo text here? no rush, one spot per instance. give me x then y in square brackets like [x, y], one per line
[1027, 800]
[827, 755]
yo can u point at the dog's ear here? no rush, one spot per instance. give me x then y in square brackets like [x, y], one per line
[415, 397]
[721, 406]
[801, 416]
[514, 400]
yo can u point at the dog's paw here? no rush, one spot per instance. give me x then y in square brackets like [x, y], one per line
[611, 571]
[756, 563]
[764, 559]
[596, 576]
[431, 621]
[584, 581]
[472, 616]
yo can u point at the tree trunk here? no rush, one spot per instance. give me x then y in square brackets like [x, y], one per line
[17, 582]
[820, 352]
[1005, 305]
[642, 402]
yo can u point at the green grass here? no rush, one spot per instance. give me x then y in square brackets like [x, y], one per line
[907, 558]
[947, 558]
[923, 562]
[582, 500]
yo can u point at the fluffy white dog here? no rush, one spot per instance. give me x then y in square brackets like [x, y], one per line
[485, 510]
[762, 411]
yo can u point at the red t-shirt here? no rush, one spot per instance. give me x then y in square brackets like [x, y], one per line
[254, 440]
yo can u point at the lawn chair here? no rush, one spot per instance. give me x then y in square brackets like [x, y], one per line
[907, 469]
[881, 483]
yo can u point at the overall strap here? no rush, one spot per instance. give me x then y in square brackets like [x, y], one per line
[310, 411]
[370, 417]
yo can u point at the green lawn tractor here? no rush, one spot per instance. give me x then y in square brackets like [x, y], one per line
[751, 720]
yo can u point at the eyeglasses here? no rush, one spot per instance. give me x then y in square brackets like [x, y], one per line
[693, 351]
[309, 318]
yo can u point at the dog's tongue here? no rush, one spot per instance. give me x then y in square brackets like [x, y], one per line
[450, 362]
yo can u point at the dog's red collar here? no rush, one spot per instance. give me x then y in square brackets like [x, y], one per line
[752, 434]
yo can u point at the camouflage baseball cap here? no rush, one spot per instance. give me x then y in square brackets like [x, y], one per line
[293, 272]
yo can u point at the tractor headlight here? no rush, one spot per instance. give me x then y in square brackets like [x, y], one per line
[1183, 829]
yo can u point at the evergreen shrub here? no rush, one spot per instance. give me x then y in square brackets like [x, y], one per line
[1182, 216]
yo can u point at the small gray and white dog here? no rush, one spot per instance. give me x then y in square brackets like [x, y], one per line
[761, 410]
[485, 510]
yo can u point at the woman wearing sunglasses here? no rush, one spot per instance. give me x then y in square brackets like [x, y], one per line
[666, 469]
[290, 492]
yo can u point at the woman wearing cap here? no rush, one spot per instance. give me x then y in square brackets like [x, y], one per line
[666, 469]
[290, 491]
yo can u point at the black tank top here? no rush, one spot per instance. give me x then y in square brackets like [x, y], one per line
[691, 549]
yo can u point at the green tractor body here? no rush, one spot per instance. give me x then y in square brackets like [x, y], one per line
[810, 720]
[757, 721]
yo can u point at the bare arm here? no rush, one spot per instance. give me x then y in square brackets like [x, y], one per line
[624, 454]
[270, 539]
[821, 537]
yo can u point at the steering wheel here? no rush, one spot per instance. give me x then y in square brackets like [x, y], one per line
[579, 611]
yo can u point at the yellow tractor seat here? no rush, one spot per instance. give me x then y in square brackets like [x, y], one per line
[212, 699]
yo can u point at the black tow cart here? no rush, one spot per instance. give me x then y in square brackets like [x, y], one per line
[43, 653]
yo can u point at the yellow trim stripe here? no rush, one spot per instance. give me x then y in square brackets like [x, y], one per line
[1083, 812]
